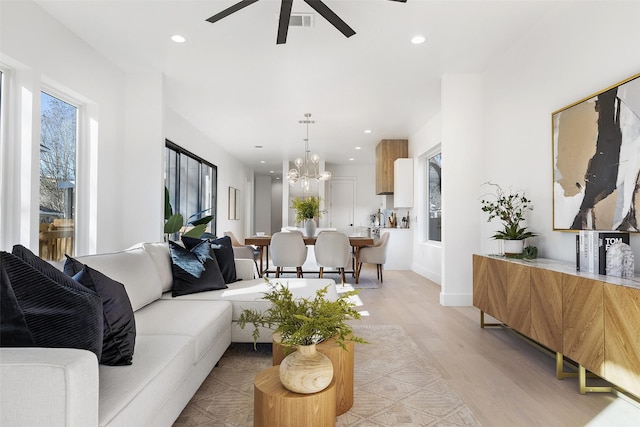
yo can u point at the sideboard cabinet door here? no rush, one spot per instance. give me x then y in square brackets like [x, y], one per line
[546, 308]
[497, 286]
[480, 284]
[622, 336]
[518, 298]
[583, 322]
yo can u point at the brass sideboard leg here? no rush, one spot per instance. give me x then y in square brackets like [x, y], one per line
[483, 324]
[560, 372]
[582, 380]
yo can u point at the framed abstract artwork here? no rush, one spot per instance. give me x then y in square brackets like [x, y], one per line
[596, 161]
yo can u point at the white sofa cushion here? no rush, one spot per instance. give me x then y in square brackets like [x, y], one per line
[202, 320]
[159, 253]
[48, 387]
[248, 294]
[129, 395]
[134, 268]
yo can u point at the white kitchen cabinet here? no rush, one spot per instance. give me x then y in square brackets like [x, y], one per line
[399, 248]
[403, 183]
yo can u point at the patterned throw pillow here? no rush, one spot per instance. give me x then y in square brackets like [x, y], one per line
[13, 328]
[59, 312]
[194, 270]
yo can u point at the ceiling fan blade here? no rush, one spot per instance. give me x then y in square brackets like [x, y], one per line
[330, 16]
[399, 1]
[285, 16]
[228, 11]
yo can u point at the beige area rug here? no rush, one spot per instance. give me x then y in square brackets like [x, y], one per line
[395, 385]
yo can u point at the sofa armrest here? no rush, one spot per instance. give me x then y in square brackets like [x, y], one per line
[245, 268]
[48, 386]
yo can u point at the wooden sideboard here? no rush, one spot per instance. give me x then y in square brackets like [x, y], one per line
[591, 319]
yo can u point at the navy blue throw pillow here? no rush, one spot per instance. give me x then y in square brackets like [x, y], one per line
[194, 270]
[119, 325]
[60, 314]
[223, 251]
[13, 328]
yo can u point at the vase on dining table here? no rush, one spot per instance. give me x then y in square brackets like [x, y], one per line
[310, 227]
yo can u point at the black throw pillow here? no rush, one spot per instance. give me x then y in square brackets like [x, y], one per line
[223, 250]
[61, 314]
[119, 325]
[13, 328]
[194, 270]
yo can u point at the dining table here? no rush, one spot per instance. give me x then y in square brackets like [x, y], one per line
[263, 242]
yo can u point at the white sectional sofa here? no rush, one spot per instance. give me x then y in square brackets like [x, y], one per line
[178, 342]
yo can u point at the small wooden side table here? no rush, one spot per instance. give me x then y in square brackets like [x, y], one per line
[343, 368]
[275, 406]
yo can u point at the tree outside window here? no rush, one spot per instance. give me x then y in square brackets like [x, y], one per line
[58, 140]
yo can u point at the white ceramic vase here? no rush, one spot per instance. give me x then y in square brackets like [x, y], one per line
[513, 247]
[306, 370]
[310, 227]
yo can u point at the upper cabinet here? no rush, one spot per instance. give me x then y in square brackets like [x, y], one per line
[403, 183]
[387, 151]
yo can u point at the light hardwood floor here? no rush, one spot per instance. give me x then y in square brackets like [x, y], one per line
[502, 378]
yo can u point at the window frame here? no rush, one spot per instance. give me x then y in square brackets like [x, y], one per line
[437, 151]
[175, 198]
[77, 210]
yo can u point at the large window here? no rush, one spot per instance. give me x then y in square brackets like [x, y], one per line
[434, 199]
[192, 183]
[58, 140]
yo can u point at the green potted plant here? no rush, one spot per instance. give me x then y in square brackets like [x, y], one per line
[510, 208]
[307, 209]
[303, 321]
[300, 324]
[173, 222]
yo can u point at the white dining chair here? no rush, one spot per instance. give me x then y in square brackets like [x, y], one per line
[288, 250]
[241, 251]
[376, 254]
[333, 249]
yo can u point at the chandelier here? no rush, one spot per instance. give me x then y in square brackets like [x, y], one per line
[307, 168]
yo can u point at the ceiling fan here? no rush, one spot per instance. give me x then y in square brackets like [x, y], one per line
[285, 15]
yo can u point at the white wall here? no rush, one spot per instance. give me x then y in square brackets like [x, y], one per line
[276, 206]
[462, 123]
[427, 256]
[143, 159]
[579, 49]
[262, 216]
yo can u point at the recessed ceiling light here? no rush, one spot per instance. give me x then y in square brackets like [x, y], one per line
[358, 148]
[271, 172]
[418, 39]
[367, 131]
[351, 159]
[262, 162]
[257, 146]
[178, 38]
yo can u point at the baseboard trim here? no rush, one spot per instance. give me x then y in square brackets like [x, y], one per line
[456, 300]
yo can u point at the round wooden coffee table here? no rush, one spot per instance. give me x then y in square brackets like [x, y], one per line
[275, 406]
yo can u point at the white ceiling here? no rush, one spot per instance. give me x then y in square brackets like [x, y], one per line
[234, 83]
